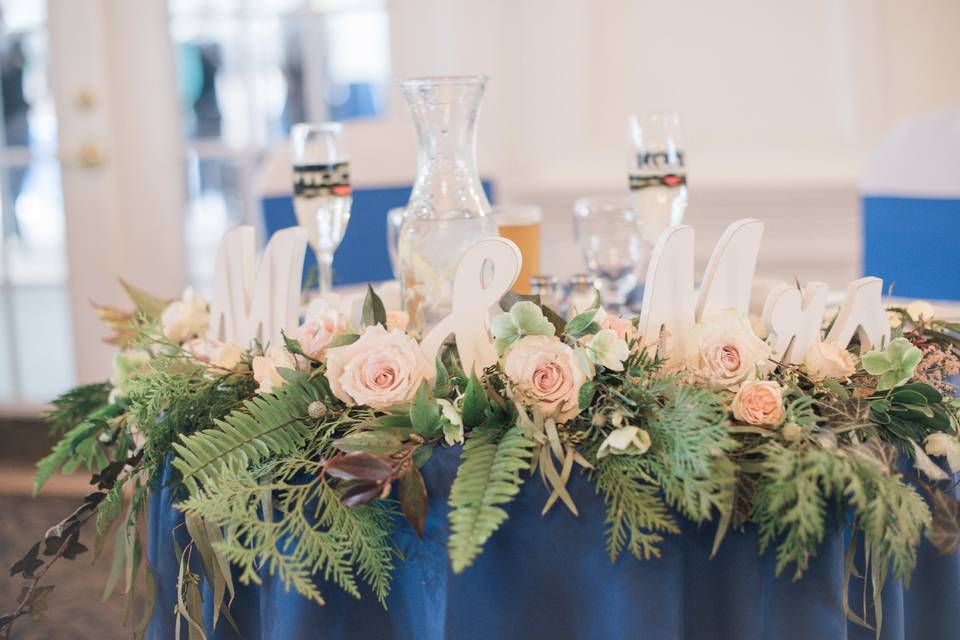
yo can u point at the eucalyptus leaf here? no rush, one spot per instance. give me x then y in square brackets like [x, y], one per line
[425, 414]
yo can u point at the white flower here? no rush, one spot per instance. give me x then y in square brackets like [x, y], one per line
[829, 360]
[895, 318]
[266, 368]
[452, 424]
[920, 310]
[381, 369]
[729, 352]
[944, 444]
[185, 318]
[607, 349]
[546, 372]
[625, 441]
[224, 355]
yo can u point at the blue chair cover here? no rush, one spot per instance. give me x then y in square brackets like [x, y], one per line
[910, 242]
[362, 256]
[911, 207]
[551, 578]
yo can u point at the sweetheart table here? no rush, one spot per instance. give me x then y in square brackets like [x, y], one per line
[550, 577]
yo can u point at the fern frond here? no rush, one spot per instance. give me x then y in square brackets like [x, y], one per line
[75, 405]
[488, 476]
[636, 514]
[264, 427]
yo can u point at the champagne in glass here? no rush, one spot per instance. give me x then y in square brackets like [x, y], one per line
[658, 175]
[321, 191]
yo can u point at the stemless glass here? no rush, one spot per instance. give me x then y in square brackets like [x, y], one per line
[321, 191]
[657, 173]
[611, 241]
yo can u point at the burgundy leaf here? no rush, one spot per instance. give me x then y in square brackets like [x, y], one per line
[359, 492]
[360, 466]
[944, 532]
[28, 563]
[413, 499]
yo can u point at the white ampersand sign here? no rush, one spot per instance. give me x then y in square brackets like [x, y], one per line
[473, 297]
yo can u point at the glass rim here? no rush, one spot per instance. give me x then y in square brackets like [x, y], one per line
[510, 215]
[466, 80]
[323, 127]
[600, 202]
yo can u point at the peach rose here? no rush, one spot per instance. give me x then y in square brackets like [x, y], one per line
[315, 335]
[729, 351]
[829, 360]
[620, 326]
[759, 403]
[398, 320]
[266, 368]
[545, 371]
[381, 369]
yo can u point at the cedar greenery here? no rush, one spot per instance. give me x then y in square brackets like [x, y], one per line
[296, 483]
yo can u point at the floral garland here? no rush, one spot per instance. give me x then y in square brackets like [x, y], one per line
[334, 423]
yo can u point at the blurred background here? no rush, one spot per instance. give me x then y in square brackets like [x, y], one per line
[135, 133]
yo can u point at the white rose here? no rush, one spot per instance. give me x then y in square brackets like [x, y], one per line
[381, 369]
[546, 372]
[729, 352]
[829, 360]
[625, 441]
[266, 368]
[944, 444]
[920, 310]
[185, 318]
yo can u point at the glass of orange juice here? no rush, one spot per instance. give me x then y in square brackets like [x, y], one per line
[521, 224]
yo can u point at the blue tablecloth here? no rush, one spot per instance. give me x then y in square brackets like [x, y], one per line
[550, 577]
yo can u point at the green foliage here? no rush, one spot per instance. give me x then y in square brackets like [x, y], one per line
[894, 365]
[177, 396]
[79, 446]
[76, 404]
[636, 514]
[310, 534]
[265, 427]
[688, 428]
[488, 476]
[373, 309]
[525, 318]
[798, 485]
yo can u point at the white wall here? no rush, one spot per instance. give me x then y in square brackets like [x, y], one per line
[793, 92]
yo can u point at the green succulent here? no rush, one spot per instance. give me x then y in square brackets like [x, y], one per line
[894, 365]
[524, 319]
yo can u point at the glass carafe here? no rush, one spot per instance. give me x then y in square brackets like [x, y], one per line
[448, 210]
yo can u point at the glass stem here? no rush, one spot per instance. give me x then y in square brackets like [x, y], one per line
[325, 272]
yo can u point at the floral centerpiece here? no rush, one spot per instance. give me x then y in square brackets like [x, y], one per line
[329, 430]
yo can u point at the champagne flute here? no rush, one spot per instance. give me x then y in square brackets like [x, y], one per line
[321, 191]
[658, 175]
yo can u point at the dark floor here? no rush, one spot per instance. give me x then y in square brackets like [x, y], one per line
[76, 612]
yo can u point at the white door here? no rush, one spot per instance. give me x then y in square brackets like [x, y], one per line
[92, 182]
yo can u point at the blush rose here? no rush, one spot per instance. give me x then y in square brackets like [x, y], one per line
[544, 371]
